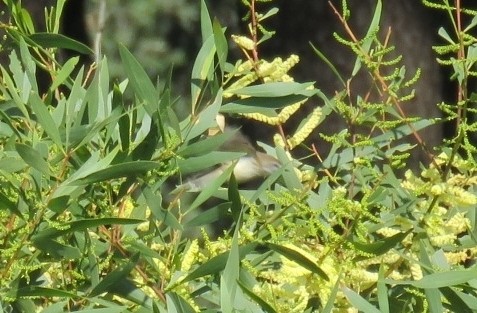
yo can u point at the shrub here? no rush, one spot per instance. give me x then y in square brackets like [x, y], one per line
[90, 222]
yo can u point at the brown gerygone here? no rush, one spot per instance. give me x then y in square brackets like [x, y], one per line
[253, 165]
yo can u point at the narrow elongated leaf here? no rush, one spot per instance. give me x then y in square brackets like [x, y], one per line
[49, 40]
[381, 246]
[263, 105]
[359, 302]
[45, 119]
[299, 258]
[382, 291]
[220, 44]
[207, 145]
[82, 225]
[32, 158]
[206, 118]
[373, 27]
[64, 73]
[439, 280]
[114, 277]
[115, 309]
[209, 216]
[262, 303]
[57, 250]
[120, 170]
[195, 164]
[205, 21]
[274, 89]
[234, 198]
[201, 70]
[37, 291]
[211, 188]
[139, 79]
[456, 303]
[154, 203]
[446, 279]
[177, 303]
[334, 292]
[328, 63]
[217, 263]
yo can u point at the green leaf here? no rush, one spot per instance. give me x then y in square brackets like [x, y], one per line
[37, 291]
[29, 64]
[230, 275]
[373, 28]
[262, 303]
[328, 63]
[208, 191]
[206, 118]
[154, 203]
[113, 277]
[82, 225]
[446, 279]
[120, 170]
[205, 22]
[209, 216]
[139, 79]
[275, 89]
[128, 290]
[211, 143]
[57, 250]
[332, 298]
[12, 90]
[299, 258]
[220, 44]
[201, 70]
[234, 198]
[64, 73]
[176, 303]
[440, 279]
[49, 40]
[32, 158]
[382, 246]
[195, 164]
[263, 105]
[45, 119]
[359, 302]
[115, 309]
[382, 290]
[217, 263]
[455, 302]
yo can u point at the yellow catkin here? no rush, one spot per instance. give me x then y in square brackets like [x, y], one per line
[306, 130]
[244, 42]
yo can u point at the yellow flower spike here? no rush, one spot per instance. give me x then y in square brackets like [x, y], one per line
[456, 257]
[416, 271]
[442, 240]
[265, 69]
[458, 223]
[190, 255]
[278, 141]
[240, 83]
[283, 67]
[288, 111]
[245, 66]
[306, 129]
[244, 42]
[262, 118]
[437, 190]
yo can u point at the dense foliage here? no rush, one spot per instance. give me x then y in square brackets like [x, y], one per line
[89, 221]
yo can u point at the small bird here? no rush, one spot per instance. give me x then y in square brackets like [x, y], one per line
[253, 165]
